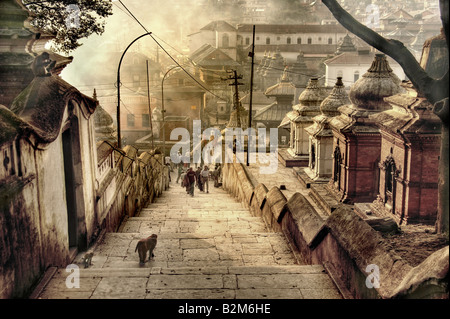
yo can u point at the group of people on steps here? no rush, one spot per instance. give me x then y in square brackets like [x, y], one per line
[200, 178]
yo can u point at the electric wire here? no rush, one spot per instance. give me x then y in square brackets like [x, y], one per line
[173, 59]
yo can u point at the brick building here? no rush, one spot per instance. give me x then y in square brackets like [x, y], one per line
[409, 159]
[357, 140]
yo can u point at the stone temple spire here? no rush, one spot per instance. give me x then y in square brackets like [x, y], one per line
[377, 83]
[337, 98]
[346, 45]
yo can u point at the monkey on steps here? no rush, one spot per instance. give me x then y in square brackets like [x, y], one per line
[145, 244]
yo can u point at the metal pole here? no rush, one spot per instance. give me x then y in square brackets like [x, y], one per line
[119, 138]
[252, 54]
[149, 108]
[163, 110]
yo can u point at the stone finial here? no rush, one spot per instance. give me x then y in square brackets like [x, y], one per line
[313, 94]
[337, 98]
[377, 83]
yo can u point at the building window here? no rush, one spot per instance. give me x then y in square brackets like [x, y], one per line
[247, 41]
[267, 40]
[389, 182]
[320, 39]
[145, 120]
[313, 156]
[130, 120]
[309, 40]
[180, 82]
[278, 38]
[355, 76]
[288, 40]
[299, 40]
[330, 41]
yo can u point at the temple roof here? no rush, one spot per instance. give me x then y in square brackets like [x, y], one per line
[409, 115]
[378, 82]
[346, 45]
[273, 112]
[337, 98]
[43, 102]
[311, 97]
[283, 88]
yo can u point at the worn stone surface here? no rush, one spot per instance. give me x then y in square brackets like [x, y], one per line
[209, 246]
[430, 279]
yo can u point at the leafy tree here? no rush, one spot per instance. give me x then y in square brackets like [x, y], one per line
[435, 90]
[68, 20]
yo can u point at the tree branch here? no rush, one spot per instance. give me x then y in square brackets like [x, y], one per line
[395, 49]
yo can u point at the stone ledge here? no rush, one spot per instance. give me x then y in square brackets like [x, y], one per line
[307, 221]
[427, 280]
[324, 198]
[364, 247]
[290, 161]
[260, 195]
[277, 202]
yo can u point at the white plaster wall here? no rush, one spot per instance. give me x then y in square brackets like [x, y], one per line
[52, 201]
[349, 70]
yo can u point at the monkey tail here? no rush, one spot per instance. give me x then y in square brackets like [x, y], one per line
[137, 246]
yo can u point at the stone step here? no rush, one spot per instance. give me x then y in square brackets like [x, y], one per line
[219, 225]
[226, 282]
[117, 250]
[194, 212]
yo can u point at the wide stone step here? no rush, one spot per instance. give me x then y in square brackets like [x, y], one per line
[117, 250]
[149, 225]
[219, 282]
[173, 213]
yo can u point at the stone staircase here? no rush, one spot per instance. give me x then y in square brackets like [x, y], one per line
[209, 246]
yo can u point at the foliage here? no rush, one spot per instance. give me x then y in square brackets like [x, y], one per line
[68, 20]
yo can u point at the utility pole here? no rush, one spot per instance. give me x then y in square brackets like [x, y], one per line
[236, 84]
[149, 108]
[252, 55]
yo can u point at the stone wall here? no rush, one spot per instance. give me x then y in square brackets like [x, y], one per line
[345, 244]
[33, 213]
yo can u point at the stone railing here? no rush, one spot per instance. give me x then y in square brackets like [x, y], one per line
[352, 252]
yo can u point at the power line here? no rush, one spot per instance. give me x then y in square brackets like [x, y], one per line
[176, 62]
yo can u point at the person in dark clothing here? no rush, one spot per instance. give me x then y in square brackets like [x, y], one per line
[191, 180]
[198, 178]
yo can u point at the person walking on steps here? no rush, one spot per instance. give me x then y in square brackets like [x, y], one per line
[204, 178]
[191, 180]
[198, 178]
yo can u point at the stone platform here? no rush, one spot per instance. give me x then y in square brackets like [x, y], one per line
[292, 161]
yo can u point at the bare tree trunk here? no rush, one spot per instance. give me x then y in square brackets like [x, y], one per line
[435, 90]
[442, 223]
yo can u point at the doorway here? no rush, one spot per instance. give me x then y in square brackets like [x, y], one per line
[69, 179]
